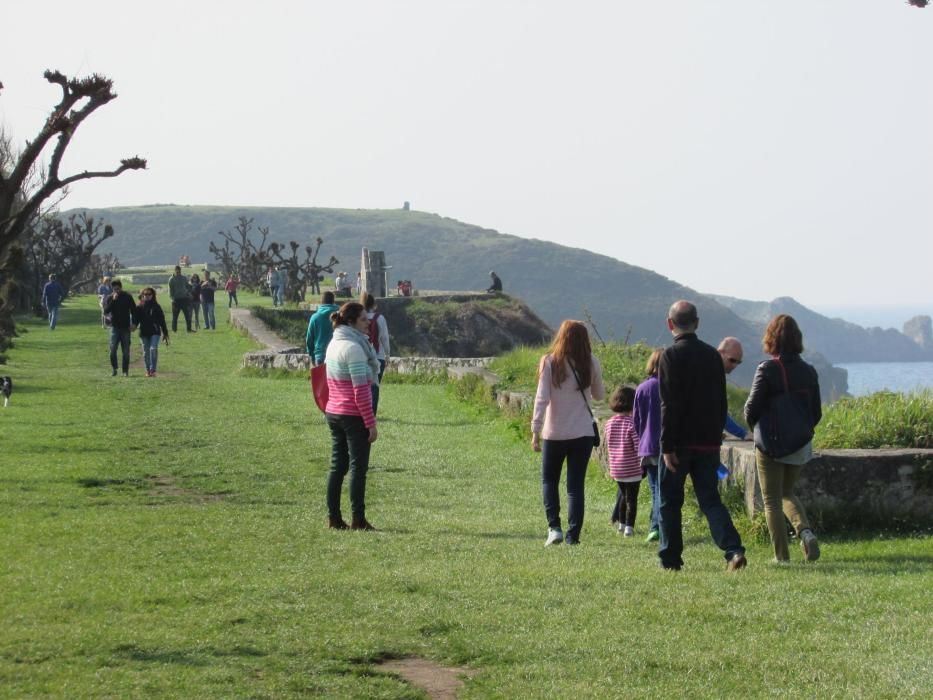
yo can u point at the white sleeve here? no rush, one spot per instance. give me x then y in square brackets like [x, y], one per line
[383, 336]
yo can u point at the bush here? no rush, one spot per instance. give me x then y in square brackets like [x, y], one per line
[884, 419]
[622, 364]
[291, 325]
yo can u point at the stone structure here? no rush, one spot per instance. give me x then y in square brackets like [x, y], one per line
[862, 488]
[373, 270]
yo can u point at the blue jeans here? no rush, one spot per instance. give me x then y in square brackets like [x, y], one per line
[349, 440]
[652, 470]
[701, 466]
[121, 337]
[209, 320]
[151, 351]
[231, 300]
[553, 453]
[53, 315]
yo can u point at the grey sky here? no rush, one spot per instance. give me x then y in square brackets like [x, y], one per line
[756, 149]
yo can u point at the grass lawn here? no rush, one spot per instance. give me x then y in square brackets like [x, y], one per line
[165, 537]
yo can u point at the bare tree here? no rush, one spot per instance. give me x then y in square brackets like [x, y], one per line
[63, 247]
[26, 186]
[251, 261]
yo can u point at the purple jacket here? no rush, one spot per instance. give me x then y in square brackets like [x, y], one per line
[647, 417]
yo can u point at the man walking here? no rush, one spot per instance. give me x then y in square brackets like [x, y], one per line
[180, 293]
[208, 288]
[730, 350]
[52, 295]
[121, 308]
[693, 411]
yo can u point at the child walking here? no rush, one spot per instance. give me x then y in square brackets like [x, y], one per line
[624, 464]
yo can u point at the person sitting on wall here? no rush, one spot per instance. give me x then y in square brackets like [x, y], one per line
[496, 285]
[343, 284]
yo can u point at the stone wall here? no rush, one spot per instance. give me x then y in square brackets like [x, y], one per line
[863, 488]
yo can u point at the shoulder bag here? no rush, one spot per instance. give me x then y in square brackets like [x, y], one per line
[785, 426]
[583, 394]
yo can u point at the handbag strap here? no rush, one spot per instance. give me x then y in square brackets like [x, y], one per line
[580, 387]
[780, 364]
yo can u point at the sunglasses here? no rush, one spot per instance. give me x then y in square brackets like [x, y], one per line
[734, 361]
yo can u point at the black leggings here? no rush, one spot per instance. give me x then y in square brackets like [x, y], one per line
[626, 507]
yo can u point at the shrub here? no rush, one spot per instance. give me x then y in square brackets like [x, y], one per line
[884, 419]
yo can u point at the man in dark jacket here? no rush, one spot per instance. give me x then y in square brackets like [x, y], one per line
[121, 307]
[692, 384]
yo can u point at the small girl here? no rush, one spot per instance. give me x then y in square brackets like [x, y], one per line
[624, 464]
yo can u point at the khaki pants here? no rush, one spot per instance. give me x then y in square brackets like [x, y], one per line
[777, 491]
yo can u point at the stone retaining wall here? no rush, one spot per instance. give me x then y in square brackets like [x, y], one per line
[866, 488]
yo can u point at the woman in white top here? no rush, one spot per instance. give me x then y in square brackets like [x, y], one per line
[569, 378]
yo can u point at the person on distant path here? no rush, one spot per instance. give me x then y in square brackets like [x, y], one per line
[624, 466]
[152, 329]
[320, 330]
[53, 293]
[569, 377]
[230, 287]
[352, 368]
[379, 336]
[194, 284]
[208, 288]
[180, 294]
[646, 416]
[122, 310]
[281, 284]
[496, 285]
[692, 385]
[103, 291]
[342, 283]
[785, 371]
[359, 282]
[731, 352]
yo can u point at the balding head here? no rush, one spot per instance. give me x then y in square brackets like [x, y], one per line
[730, 349]
[682, 317]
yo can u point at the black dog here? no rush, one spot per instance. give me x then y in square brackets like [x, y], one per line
[6, 388]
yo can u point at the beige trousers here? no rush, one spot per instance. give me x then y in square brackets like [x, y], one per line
[777, 491]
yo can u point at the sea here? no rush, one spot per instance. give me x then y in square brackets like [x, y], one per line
[869, 377]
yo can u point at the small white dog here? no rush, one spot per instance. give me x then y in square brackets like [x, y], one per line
[6, 388]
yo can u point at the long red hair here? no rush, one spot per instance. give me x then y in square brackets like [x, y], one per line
[571, 345]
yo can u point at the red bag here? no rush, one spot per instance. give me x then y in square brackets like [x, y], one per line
[318, 381]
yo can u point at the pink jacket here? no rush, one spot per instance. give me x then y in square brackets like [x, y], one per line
[560, 412]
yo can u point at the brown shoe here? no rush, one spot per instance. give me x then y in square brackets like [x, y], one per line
[361, 524]
[336, 523]
[737, 562]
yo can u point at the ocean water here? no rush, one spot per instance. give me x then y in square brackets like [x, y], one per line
[869, 377]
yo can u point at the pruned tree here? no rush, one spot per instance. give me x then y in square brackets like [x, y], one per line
[63, 247]
[251, 261]
[27, 184]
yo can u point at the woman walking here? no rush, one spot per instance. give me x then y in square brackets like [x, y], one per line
[195, 286]
[562, 426]
[784, 373]
[352, 368]
[151, 321]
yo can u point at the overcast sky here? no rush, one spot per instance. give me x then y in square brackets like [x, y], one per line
[749, 148]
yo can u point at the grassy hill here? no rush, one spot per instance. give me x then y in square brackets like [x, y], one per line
[436, 252]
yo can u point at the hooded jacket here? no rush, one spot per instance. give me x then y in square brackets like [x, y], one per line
[319, 332]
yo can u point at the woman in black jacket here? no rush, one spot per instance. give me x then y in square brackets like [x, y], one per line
[151, 321]
[785, 371]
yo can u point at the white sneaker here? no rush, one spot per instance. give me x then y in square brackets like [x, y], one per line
[629, 531]
[554, 536]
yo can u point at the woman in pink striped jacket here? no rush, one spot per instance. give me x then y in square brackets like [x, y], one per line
[352, 368]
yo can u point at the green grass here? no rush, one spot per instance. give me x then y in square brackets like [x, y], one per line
[883, 419]
[164, 537]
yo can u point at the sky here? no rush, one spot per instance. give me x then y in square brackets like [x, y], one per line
[747, 148]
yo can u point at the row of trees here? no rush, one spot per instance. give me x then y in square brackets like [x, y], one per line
[31, 235]
[251, 257]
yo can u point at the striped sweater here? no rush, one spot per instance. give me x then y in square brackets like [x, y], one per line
[622, 443]
[348, 380]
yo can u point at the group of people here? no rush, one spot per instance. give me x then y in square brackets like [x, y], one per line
[192, 295]
[671, 427]
[352, 341]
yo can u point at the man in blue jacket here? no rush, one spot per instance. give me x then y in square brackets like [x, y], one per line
[52, 295]
[320, 330]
